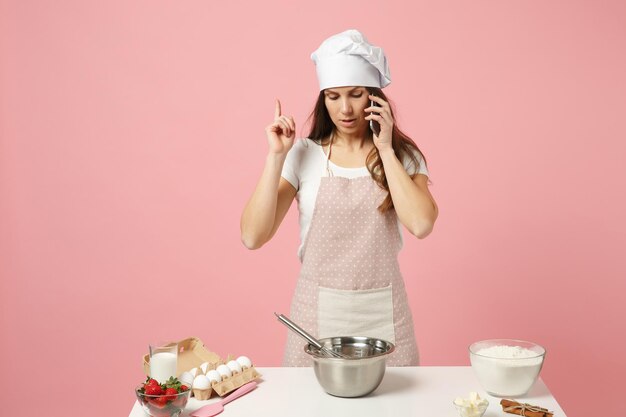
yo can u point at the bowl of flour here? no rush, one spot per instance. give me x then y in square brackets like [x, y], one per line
[506, 367]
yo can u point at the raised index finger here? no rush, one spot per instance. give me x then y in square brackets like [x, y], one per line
[381, 102]
[277, 112]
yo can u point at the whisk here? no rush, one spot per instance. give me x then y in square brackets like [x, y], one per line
[300, 332]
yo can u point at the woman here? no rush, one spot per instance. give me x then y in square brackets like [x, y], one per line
[354, 187]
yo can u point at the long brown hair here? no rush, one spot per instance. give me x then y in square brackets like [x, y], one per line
[322, 127]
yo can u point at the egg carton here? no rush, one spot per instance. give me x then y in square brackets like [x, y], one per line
[227, 383]
[235, 381]
[191, 353]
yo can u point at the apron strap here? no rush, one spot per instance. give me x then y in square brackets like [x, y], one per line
[328, 172]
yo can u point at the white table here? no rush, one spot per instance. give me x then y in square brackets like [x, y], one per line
[426, 391]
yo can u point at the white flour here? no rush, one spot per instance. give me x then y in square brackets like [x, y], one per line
[510, 352]
[507, 370]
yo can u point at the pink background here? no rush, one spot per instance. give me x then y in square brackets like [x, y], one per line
[132, 135]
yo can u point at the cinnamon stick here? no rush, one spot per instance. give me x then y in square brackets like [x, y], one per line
[526, 410]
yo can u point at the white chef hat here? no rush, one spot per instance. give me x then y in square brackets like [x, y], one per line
[348, 59]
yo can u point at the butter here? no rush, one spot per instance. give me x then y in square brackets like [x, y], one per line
[474, 406]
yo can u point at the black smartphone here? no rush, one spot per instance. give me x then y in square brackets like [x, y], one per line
[374, 125]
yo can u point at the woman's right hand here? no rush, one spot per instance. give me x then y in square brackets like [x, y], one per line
[281, 133]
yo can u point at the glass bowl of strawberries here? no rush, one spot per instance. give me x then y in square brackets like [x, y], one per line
[163, 400]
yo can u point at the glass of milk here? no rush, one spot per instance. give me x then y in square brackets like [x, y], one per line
[163, 361]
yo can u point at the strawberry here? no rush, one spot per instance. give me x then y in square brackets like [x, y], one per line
[183, 388]
[153, 389]
[161, 401]
[151, 381]
[170, 394]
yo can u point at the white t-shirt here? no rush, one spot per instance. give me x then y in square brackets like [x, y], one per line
[306, 164]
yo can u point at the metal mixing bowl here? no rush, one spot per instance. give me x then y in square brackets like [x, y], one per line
[357, 375]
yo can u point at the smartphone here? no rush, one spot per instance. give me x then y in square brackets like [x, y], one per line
[374, 125]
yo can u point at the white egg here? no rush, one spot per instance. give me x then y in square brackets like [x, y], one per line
[214, 376]
[234, 367]
[201, 382]
[224, 371]
[204, 367]
[245, 362]
[186, 378]
[194, 372]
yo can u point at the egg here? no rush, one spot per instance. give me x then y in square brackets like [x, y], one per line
[234, 367]
[186, 378]
[224, 371]
[204, 367]
[245, 362]
[213, 376]
[194, 372]
[201, 382]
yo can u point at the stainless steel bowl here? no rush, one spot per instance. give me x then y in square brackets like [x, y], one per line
[357, 375]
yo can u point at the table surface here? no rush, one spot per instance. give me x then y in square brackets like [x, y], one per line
[405, 391]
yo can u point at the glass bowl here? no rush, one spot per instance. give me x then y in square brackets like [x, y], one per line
[506, 367]
[162, 405]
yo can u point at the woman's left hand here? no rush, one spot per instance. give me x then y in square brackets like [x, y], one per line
[382, 115]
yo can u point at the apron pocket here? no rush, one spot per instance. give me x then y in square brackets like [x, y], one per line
[356, 313]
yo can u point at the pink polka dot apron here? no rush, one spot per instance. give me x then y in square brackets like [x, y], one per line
[350, 282]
